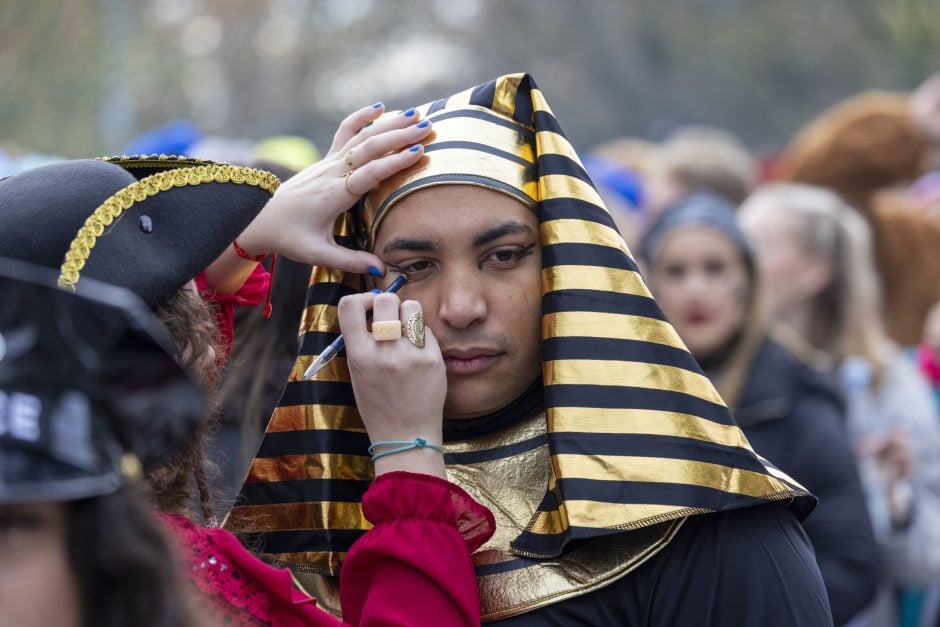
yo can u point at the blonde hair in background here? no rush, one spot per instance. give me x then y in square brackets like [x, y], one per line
[846, 316]
[736, 369]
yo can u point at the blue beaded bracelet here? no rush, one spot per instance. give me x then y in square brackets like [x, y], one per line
[403, 445]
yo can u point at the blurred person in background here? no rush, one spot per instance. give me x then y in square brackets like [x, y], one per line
[617, 168]
[703, 273]
[817, 252]
[868, 149]
[153, 236]
[89, 398]
[698, 159]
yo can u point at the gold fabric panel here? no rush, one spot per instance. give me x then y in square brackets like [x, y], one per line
[329, 515]
[459, 100]
[580, 232]
[598, 514]
[645, 421]
[306, 417]
[513, 492]
[336, 370]
[614, 326]
[593, 278]
[564, 186]
[632, 373]
[507, 88]
[659, 470]
[322, 318]
[301, 467]
[550, 142]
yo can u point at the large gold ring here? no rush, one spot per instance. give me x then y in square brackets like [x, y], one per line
[349, 161]
[345, 177]
[386, 330]
[413, 329]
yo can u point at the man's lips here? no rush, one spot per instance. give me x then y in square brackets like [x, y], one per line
[469, 360]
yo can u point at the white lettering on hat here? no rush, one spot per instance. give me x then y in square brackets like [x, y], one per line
[19, 416]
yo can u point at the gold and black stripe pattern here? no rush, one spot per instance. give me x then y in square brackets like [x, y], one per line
[634, 435]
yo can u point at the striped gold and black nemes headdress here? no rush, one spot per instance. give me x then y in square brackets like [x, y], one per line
[633, 433]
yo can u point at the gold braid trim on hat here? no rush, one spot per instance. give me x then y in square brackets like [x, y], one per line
[115, 206]
[156, 161]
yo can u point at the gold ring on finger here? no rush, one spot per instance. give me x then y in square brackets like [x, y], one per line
[349, 161]
[345, 177]
[413, 329]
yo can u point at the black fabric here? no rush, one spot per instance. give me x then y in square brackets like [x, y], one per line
[793, 416]
[750, 566]
[532, 401]
[84, 377]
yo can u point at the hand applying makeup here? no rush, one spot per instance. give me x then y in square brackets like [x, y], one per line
[298, 220]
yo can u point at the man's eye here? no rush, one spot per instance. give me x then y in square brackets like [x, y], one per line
[509, 256]
[505, 255]
[417, 266]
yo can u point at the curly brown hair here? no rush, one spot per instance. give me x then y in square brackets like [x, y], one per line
[191, 322]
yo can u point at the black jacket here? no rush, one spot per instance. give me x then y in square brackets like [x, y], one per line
[793, 416]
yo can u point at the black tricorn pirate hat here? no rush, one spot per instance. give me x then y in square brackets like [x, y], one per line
[149, 224]
[90, 393]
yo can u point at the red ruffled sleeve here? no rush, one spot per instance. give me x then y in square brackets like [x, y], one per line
[238, 588]
[250, 294]
[413, 567]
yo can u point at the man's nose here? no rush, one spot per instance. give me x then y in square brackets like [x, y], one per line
[463, 300]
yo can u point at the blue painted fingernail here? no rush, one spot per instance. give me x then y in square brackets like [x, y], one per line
[376, 291]
[423, 124]
[374, 271]
[415, 148]
[410, 112]
[377, 105]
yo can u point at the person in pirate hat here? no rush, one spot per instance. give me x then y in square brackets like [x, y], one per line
[152, 223]
[623, 491]
[81, 378]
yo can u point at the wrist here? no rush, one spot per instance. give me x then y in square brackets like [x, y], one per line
[420, 461]
[250, 246]
[419, 455]
[245, 253]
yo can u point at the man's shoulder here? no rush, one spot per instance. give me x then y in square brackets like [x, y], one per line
[746, 566]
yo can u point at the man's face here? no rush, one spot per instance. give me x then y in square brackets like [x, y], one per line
[473, 261]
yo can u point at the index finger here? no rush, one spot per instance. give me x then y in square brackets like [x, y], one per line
[354, 123]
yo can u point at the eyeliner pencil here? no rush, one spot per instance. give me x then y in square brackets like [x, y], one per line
[337, 345]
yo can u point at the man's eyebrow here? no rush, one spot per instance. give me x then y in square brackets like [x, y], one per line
[410, 244]
[510, 227]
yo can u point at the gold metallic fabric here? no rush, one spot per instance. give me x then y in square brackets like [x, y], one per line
[511, 484]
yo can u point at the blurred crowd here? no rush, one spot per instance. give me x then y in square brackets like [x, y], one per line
[805, 282]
